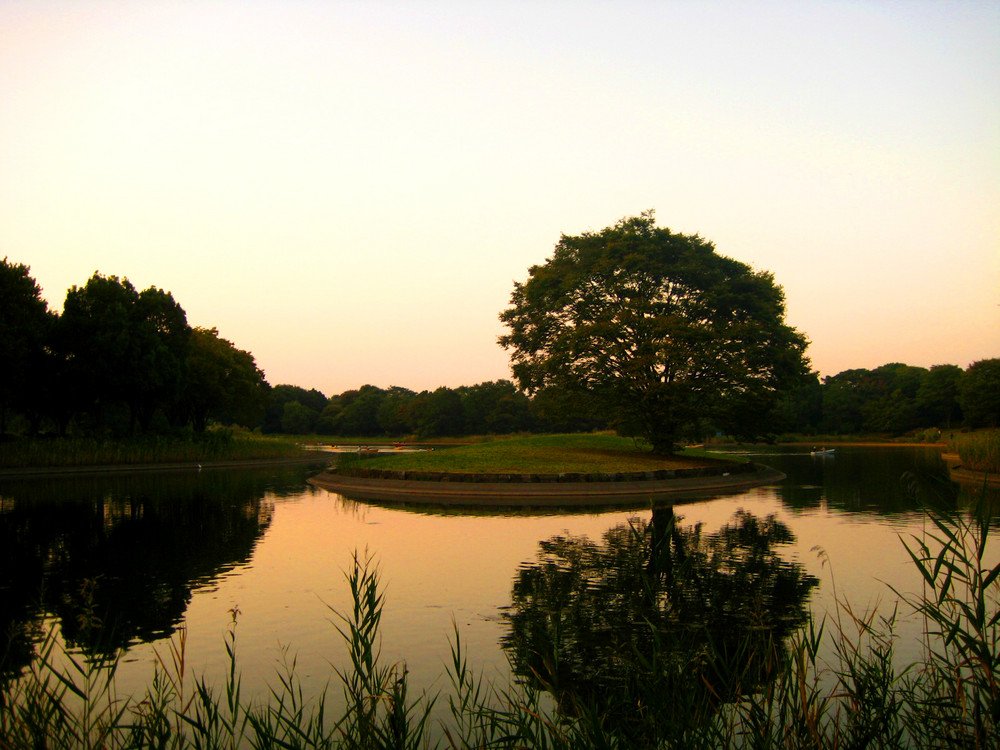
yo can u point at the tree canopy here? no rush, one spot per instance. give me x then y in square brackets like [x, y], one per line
[115, 360]
[979, 393]
[654, 328]
[24, 323]
[223, 382]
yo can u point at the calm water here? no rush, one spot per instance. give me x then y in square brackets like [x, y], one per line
[190, 549]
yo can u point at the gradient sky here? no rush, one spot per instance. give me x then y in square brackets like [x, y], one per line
[349, 189]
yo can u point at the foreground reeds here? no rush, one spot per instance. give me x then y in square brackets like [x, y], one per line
[857, 698]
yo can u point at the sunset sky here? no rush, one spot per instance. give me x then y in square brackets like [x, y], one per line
[349, 189]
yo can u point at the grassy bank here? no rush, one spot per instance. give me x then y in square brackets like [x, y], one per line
[979, 451]
[949, 698]
[214, 445]
[541, 454]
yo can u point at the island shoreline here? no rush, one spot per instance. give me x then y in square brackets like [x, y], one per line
[543, 493]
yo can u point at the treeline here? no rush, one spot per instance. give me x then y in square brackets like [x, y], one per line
[115, 361]
[119, 362]
[894, 399]
[491, 408]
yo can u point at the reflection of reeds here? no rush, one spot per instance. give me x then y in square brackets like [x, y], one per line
[858, 698]
[978, 451]
[221, 445]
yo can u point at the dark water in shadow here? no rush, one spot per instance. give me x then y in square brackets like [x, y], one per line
[124, 551]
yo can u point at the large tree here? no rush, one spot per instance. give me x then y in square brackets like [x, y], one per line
[160, 345]
[222, 382]
[24, 325]
[937, 397]
[279, 416]
[495, 408]
[979, 394]
[94, 335]
[123, 347]
[655, 329]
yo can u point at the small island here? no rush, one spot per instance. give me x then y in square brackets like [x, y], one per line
[541, 471]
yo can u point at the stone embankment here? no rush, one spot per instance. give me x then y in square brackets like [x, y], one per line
[359, 472]
[453, 488]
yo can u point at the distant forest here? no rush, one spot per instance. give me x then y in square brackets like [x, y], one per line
[894, 399]
[117, 361]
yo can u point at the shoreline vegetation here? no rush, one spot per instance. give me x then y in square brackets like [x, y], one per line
[977, 451]
[532, 454]
[223, 445]
[947, 697]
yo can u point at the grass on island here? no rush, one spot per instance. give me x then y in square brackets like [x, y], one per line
[542, 454]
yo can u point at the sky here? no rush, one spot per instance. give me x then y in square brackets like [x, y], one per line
[349, 190]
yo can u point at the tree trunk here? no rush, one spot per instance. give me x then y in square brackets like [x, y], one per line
[662, 446]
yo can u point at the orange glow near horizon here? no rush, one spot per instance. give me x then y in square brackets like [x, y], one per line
[349, 190]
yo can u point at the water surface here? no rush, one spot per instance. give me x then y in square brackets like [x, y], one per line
[196, 549]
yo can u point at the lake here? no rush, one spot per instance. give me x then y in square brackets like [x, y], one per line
[198, 548]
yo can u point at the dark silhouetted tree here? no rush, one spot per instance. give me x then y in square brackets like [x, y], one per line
[222, 383]
[122, 347]
[354, 413]
[159, 345]
[801, 407]
[843, 398]
[395, 413]
[297, 419]
[441, 414]
[306, 418]
[25, 324]
[937, 397]
[495, 408]
[655, 329]
[890, 393]
[979, 393]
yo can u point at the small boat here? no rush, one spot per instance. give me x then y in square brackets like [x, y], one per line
[822, 452]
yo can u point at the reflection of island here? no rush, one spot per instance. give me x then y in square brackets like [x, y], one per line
[649, 627]
[144, 540]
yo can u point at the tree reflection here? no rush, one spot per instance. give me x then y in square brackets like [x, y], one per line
[115, 558]
[658, 624]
